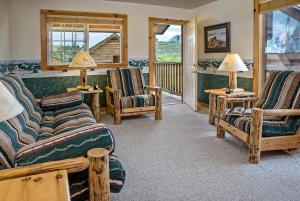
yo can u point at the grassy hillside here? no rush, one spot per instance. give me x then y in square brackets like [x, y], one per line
[168, 51]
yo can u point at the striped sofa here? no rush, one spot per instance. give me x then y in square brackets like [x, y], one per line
[62, 128]
[127, 95]
[274, 121]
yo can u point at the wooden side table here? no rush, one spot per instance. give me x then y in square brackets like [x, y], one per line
[95, 104]
[214, 93]
[47, 187]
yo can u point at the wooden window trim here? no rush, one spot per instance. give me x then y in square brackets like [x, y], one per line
[258, 45]
[44, 37]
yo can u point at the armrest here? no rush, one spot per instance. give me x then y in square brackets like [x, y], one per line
[281, 112]
[71, 165]
[61, 101]
[247, 99]
[149, 88]
[111, 90]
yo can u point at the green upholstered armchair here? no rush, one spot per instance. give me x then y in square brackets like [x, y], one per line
[127, 95]
[273, 123]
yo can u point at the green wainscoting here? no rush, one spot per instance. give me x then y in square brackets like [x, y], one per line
[211, 81]
[45, 86]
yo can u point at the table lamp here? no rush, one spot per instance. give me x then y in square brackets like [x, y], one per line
[233, 64]
[84, 61]
[10, 107]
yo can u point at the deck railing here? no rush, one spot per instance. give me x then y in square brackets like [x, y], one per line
[168, 76]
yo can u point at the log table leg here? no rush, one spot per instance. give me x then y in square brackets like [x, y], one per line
[99, 186]
[212, 105]
[95, 104]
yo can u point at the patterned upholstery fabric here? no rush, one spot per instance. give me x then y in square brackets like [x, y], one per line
[37, 136]
[60, 121]
[129, 80]
[61, 101]
[69, 144]
[281, 91]
[138, 101]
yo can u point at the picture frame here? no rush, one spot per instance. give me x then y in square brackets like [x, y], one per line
[217, 38]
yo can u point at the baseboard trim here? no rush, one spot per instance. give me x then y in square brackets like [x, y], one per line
[201, 105]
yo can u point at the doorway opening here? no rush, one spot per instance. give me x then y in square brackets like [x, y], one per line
[166, 58]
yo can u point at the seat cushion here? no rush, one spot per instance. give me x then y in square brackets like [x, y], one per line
[70, 144]
[129, 80]
[138, 101]
[79, 181]
[63, 120]
[272, 126]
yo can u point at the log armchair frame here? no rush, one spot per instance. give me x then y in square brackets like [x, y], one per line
[255, 142]
[97, 162]
[114, 106]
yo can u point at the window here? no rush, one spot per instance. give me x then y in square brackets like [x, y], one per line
[168, 43]
[65, 33]
[282, 39]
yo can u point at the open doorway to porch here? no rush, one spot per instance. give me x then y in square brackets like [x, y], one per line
[165, 57]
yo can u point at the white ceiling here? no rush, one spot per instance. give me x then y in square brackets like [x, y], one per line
[186, 4]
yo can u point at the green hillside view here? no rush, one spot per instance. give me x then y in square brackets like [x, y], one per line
[168, 51]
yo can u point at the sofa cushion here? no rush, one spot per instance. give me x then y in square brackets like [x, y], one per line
[60, 121]
[281, 91]
[14, 134]
[129, 80]
[70, 144]
[32, 113]
[61, 101]
[138, 101]
[79, 181]
[272, 126]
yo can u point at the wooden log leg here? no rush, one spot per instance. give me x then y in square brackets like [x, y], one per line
[99, 186]
[158, 113]
[96, 106]
[255, 135]
[117, 107]
[108, 100]
[212, 99]
[220, 132]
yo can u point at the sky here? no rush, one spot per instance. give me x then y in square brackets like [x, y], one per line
[172, 31]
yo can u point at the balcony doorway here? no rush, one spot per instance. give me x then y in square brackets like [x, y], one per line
[165, 58]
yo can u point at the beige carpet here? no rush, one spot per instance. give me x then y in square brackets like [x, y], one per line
[180, 159]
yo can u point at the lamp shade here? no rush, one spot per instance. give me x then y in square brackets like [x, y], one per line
[83, 60]
[233, 63]
[10, 107]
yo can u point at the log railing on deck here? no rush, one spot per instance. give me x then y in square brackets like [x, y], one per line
[168, 76]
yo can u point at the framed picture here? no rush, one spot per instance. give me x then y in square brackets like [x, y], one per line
[217, 38]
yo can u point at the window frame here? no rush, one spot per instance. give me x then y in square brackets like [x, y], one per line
[260, 8]
[45, 38]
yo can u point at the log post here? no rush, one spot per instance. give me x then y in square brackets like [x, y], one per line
[108, 100]
[255, 135]
[158, 112]
[220, 107]
[212, 104]
[117, 107]
[99, 186]
[95, 103]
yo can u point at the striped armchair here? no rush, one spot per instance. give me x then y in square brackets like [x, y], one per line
[127, 95]
[65, 129]
[273, 123]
